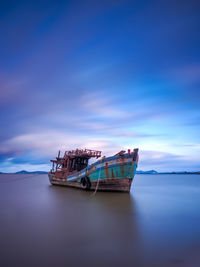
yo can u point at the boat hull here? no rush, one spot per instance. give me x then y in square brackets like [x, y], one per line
[108, 174]
[112, 184]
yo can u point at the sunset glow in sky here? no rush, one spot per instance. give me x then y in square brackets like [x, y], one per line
[106, 75]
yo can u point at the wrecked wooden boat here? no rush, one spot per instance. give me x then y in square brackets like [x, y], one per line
[113, 173]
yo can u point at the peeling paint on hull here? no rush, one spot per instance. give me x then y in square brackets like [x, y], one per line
[112, 174]
[118, 185]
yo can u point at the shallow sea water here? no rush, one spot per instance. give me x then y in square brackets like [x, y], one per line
[157, 224]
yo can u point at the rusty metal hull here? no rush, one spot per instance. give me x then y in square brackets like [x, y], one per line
[108, 174]
[112, 184]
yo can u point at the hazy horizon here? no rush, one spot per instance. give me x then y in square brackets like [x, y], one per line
[107, 75]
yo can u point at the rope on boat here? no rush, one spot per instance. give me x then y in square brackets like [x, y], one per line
[97, 185]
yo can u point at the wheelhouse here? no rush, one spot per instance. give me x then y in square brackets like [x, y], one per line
[74, 160]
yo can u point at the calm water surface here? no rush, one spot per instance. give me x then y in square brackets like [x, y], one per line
[158, 224]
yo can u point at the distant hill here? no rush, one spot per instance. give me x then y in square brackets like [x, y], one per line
[146, 172]
[155, 172]
[26, 172]
[138, 172]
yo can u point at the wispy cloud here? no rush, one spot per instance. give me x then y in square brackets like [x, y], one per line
[189, 74]
[83, 76]
[162, 161]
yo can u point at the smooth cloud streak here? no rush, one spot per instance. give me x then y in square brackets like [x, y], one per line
[82, 75]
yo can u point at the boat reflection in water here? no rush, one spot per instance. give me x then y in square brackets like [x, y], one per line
[157, 224]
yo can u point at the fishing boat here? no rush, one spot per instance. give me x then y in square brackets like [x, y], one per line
[113, 173]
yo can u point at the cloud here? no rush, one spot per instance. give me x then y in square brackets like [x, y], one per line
[190, 145]
[83, 75]
[46, 144]
[162, 161]
[189, 74]
[186, 82]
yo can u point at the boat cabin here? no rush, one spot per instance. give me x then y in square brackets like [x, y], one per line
[74, 160]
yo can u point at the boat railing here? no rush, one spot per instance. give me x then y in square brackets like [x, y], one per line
[83, 152]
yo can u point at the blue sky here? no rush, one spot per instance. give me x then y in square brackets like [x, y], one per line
[105, 75]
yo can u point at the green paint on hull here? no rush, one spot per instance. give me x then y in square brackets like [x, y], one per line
[118, 171]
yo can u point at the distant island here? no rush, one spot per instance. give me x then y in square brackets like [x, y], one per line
[155, 172]
[146, 172]
[26, 172]
[137, 172]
